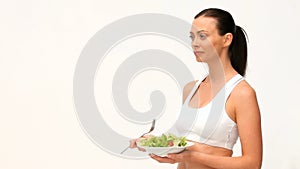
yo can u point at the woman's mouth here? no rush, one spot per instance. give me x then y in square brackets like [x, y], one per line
[198, 52]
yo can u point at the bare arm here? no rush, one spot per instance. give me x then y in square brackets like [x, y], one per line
[248, 121]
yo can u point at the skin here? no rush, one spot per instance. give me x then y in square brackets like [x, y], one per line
[241, 106]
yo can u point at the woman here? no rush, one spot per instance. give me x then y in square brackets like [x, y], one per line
[217, 41]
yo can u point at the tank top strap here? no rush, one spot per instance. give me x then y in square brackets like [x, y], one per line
[230, 85]
[187, 100]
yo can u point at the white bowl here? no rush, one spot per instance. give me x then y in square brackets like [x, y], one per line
[164, 151]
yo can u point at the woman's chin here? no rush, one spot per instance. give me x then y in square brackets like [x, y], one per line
[199, 59]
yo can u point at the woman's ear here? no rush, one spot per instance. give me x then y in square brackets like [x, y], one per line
[228, 37]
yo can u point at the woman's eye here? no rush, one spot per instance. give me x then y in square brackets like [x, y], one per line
[192, 37]
[202, 36]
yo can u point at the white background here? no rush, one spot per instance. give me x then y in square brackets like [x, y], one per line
[40, 42]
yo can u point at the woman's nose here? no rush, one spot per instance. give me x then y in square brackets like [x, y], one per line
[195, 43]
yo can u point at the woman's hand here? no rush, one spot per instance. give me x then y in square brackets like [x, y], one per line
[174, 158]
[133, 143]
[184, 156]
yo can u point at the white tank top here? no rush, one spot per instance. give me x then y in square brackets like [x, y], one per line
[209, 124]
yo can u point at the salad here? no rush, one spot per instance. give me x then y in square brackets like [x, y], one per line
[168, 140]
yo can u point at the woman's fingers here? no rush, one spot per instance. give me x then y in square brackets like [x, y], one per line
[141, 149]
[133, 143]
[162, 159]
[176, 157]
[181, 157]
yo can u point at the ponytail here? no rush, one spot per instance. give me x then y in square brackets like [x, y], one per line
[238, 51]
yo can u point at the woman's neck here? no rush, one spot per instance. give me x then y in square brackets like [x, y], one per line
[220, 70]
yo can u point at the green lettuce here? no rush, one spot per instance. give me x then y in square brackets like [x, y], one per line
[163, 141]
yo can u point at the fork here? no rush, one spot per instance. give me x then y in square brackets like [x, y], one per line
[151, 129]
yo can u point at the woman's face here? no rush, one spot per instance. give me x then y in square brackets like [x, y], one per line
[207, 44]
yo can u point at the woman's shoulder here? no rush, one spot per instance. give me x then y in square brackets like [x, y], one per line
[188, 88]
[243, 91]
[245, 103]
[190, 84]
